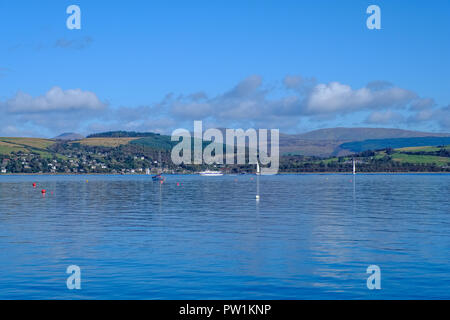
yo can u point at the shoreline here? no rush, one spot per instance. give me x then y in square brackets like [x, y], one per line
[225, 174]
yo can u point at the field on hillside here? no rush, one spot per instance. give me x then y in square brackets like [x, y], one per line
[105, 142]
[417, 159]
[423, 149]
[378, 144]
[26, 145]
[400, 155]
[29, 142]
[7, 148]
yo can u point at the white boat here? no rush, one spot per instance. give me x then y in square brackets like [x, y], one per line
[210, 173]
[258, 170]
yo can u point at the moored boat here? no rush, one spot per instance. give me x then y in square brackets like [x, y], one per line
[210, 173]
[158, 177]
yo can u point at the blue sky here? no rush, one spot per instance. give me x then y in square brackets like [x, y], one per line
[159, 65]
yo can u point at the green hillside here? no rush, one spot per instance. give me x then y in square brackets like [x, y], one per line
[26, 145]
[416, 159]
[378, 144]
[412, 159]
[423, 149]
[156, 142]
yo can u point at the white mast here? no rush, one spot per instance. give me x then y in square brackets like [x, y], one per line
[258, 173]
[159, 162]
[354, 166]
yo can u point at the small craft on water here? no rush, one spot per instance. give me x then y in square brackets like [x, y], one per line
[209, 173]
[158, 177]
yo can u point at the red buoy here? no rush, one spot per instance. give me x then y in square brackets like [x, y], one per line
[44, 191]
[178, 184]
[34, 184]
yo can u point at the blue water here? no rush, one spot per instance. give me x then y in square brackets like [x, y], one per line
[309, 237]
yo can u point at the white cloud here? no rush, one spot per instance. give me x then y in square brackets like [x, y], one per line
[432, 115]
[78, 44]
[292, 82]
[245, 88]
[443, 118]
[192, 110]
[421, 104]
[54, 112]
[4, 72]
[340, 98]
[249, 104]
[385, 117]
[55, 99]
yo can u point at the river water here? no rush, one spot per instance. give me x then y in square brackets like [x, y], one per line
[308, 237]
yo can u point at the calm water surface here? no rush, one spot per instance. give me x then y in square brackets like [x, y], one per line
[309, 237]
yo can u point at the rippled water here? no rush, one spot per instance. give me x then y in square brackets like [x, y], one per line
[309, 237]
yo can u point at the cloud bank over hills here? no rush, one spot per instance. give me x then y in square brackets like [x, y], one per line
[294, 104]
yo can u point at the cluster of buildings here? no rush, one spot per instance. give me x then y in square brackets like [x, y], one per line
[77, 163]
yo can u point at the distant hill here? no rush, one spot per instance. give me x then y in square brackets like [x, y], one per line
[322, 143]
[330, 142]
[359, 134]
[69, 136]
[378, 144]
[123, 134]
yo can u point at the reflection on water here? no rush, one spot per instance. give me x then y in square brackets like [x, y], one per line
[309, 236]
